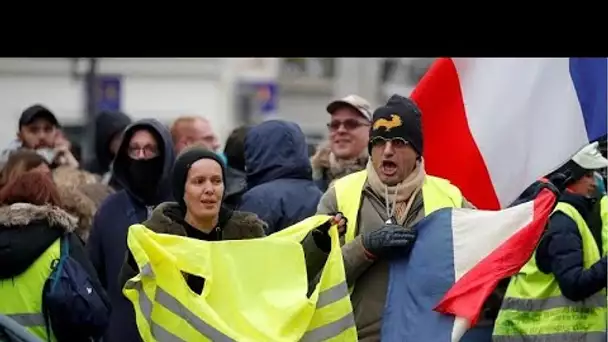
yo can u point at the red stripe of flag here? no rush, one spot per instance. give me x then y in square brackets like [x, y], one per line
[450, 151]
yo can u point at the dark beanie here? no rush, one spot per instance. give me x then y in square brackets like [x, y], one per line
[400, 118]
[182, 166]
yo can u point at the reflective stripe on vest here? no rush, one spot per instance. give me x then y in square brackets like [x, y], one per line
[167, 310]
[28, 319]
[534, 308]
[437, 193]
[22, 295]
[170, 303]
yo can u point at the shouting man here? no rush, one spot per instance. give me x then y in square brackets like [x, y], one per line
[381, 205]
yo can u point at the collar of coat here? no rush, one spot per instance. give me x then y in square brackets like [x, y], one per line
[240, 225]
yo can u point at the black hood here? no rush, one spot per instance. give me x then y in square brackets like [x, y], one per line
[107, 125]
[121, 161]
[26, 231]
[235, 182]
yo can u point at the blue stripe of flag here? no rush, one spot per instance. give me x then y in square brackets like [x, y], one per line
[418, 283]
[590, 78]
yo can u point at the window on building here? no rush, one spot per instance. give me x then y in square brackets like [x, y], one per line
[319, 68]
[405, 71]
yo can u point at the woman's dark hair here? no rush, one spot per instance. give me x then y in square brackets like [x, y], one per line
[32, 187]
[19, 162]
[234, 149]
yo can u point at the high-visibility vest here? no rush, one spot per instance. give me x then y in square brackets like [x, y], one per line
[604, 214]
[255, 290]
[534, 308]
[437, 193]
[21, 296]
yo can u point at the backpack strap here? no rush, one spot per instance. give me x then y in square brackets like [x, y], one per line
[63, 255]
[47, 321]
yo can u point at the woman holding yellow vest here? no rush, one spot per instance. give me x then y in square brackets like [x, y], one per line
[559, 295]
[198, 188]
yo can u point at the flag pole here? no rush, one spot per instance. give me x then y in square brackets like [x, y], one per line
[461, 325]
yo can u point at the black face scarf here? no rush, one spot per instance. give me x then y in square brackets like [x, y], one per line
[144, 175]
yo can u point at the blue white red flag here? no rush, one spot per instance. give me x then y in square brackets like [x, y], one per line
[437, 293]
[493, 126]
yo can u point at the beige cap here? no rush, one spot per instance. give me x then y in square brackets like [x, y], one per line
[355, 101]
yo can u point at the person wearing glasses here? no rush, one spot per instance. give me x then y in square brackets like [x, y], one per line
[346, 150]
[142, 166]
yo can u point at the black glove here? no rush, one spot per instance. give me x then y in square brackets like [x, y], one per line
[321, 233]
[390, 241]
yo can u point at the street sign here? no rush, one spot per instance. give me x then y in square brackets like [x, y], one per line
[109, 93]
[266, 96]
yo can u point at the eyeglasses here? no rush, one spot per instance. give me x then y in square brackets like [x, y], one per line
[147, 151]
[349, 124]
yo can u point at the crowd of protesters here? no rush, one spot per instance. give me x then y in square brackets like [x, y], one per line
[176, 180]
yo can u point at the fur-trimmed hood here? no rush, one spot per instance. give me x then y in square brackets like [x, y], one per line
[326, 167]
[82, 202]
[65, 176]
[237, 225]
[26, 231]
[21, 215]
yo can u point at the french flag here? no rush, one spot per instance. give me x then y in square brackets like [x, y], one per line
[437, 293]
[492, 126]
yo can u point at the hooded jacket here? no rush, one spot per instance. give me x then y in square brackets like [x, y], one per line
[27, 231]
[107, 125]
[279, 175]
[236, 185]
[107, 243]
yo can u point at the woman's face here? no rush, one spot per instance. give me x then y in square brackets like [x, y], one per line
[204, 188]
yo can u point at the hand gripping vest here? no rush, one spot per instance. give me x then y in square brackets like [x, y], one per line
[255, 290]
[534, 308]
[21, 296]
[437, 193]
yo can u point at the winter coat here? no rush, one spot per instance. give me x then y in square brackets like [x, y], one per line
[561, 250]
[107, 243]
[27, 231]
[279, 175]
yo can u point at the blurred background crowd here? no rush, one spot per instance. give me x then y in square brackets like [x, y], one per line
[228, 92]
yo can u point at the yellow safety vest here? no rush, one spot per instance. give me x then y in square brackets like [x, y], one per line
[604, 214]
[21, 296]
[437, 193]
[255, 290]
[534, 308]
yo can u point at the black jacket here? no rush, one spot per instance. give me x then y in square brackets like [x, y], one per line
[561, 250]
[107, 243]
[236, 185]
